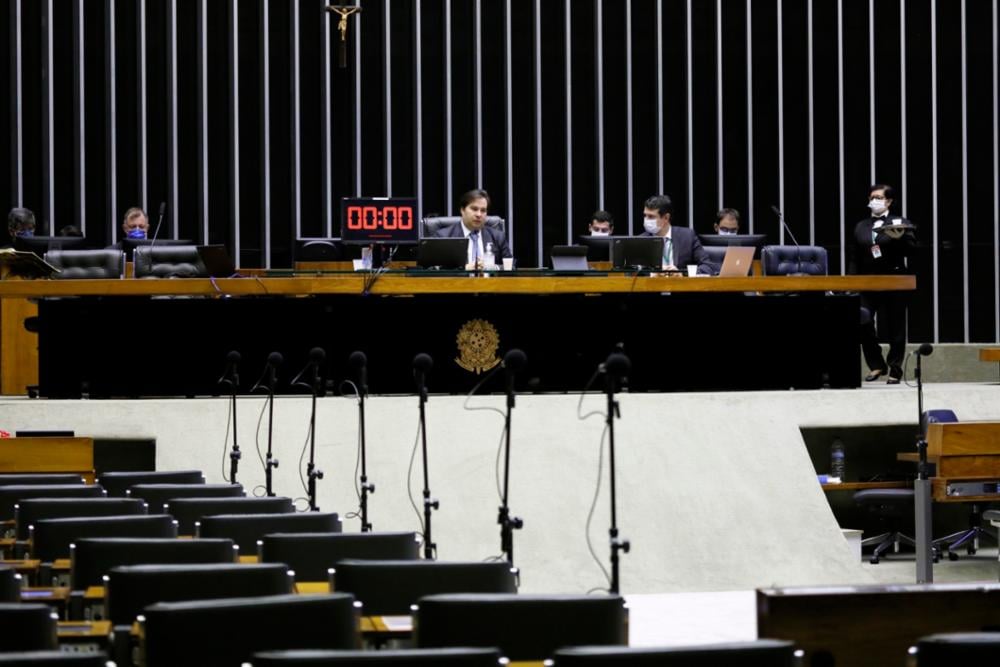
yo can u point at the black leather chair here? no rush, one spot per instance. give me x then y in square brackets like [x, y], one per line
[959, 648]
[50, 538]
[117, 483]
[473, 657]
[92, 558]
[10, 584]
[247, 529]
[523, 627]
[180, 261]
[28, 512]
[28, 627]
[106, 263]
[189, 511]
[783, 260]
[157, 495]
[716, 255]
[310, 555]
[760, 653]
[54, 659]
[131, 588]
[429, 227]
[390, 588]
[25, 479]
[226, 633]
[12, 495]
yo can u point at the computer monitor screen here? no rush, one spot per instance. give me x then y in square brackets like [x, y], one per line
[637, 252]
[757, 241]
[387, 220]
[42, 244]
[598, 247]
[443, 253]
[129, 245]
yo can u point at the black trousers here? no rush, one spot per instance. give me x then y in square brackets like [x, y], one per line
[888, 323]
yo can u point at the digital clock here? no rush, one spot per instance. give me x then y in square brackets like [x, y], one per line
[367, 220]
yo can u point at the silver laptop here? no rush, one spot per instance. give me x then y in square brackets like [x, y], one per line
[737, 262]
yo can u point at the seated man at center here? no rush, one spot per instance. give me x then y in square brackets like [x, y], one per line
[473, 206]
[681, 245]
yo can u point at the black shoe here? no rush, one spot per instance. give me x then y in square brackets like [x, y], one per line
[892, 380]
[874, 375]
[895, 375]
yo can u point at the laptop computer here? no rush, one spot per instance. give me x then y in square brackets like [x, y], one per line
[443, 253]
[737, 262]
[569, 258]
[218, 263]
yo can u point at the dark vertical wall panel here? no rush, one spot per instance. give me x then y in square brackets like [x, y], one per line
[887, 93]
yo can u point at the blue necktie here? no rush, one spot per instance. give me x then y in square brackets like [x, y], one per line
[474, 239]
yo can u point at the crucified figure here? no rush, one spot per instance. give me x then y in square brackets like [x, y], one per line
[344, 11]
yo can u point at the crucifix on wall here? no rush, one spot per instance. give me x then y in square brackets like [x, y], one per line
[344, 11]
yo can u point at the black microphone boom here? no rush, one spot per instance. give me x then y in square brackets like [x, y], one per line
[231, 377]
[925, 350]
[422, 363]
[269, 378]
[798, 248]
[358, 364]
[513, 361]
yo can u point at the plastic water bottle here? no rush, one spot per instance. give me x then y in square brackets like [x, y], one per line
[837, 459]
[489, 261]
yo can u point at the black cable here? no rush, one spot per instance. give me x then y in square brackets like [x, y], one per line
[593, 507]
[409, 482]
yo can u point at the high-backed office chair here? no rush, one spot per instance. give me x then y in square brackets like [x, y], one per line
[716, 255]
[92, 558]
[431, 226]
[54, 659]
[118, 483]
[50, 538]
[28, 627]
[760, 653]
[180, 261]
[312, 554]
[105, 263]
[12, 495]
[28, 512]
[246, 529]
[472, 657]
[226, 633]
[958, 648]
[157, 495]
[783, 260]
[390, 588]
[130, 588]
[33, 479]
[189, 511]
[523, 627]
[10, 584]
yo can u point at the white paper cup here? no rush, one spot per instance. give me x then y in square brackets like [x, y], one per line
[692, 270]
[508, 263]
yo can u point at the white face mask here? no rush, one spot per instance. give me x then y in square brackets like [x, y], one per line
[726, 232]
[597, 233]
[651, 225]
[877, 206]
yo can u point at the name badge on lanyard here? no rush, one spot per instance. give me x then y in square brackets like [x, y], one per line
[876, 251]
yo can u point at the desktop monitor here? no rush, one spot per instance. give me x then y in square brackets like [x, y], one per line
[756, 241]
[443, 253]
[598, 247]
[637, 252]
[42, 244]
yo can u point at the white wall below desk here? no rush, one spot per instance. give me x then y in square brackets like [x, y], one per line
[715, 491]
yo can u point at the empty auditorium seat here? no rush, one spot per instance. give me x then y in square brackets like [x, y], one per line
[50, 538]
[226, 633]
[246, 529]
[472, 657]
[523, 627]
[118, 483]
[188, 511]
[10, 495]
[27, 627]
[959, 648]
[8, 479]
[54, 659]
[156, 495]
[10, 584]
[760, 653]
[389, 588]
[312, 554]
[92, 558]
[28, 512]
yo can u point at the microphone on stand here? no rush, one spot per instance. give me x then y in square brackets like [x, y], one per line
[156, 231]
[922, 487]
[615, 368]
[231, 378]
[513, 362]
[317, 356]
[269, 379]
[358, 363]
[422, 363]
[798, 248]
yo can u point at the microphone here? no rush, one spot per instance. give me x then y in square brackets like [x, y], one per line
[798, 248]
[231, 374]
[925, 350]
[269, 376]
[617, 365]
[513, 362]
[159, 223]
[316, 357]
[358, 363]
[421, 364]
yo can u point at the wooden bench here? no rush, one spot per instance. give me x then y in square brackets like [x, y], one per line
[990, 354]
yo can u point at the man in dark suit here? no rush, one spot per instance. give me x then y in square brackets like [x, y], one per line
[881, 245]
[474, 206]
[680, 244]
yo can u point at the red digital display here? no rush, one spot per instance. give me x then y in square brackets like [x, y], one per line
[379, 220]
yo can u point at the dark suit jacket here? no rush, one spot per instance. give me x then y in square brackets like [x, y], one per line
[490, 235]
[687, 249]
[894, 251]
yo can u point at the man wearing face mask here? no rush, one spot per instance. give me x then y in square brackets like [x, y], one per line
[20, 222]
[882, 244]
[727, 222]
[681, 246]
[601, 224]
